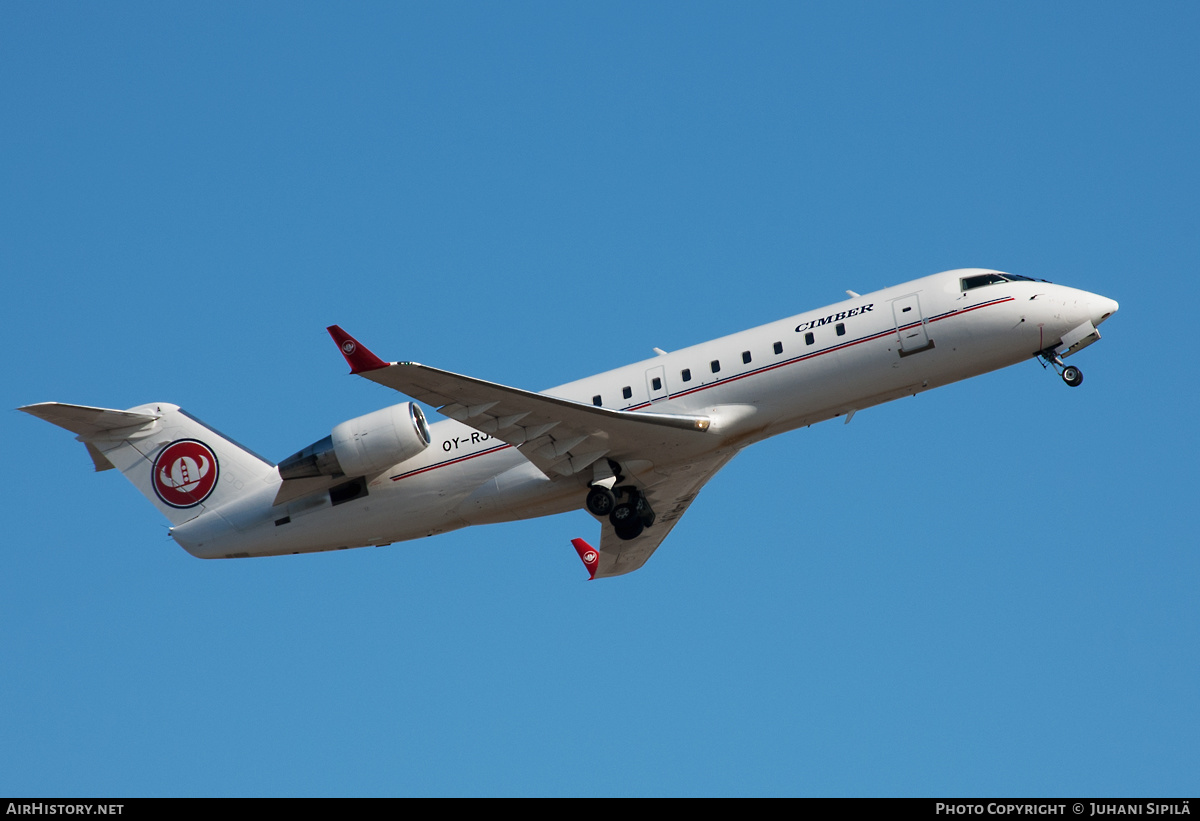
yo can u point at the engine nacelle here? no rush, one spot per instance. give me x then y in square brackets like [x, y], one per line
[363, 446]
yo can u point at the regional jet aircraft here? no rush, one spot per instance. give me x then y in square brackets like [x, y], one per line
[633, 446]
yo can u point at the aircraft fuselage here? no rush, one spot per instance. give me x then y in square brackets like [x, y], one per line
[754, 384]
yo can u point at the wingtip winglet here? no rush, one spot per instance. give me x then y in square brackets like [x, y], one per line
[587, 555]
[358, 356]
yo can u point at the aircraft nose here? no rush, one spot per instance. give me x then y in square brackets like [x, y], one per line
[1101, 308]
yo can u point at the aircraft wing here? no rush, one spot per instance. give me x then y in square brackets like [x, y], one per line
[559, 436]
[670, 498]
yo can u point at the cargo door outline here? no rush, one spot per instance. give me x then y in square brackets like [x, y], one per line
[911, 329]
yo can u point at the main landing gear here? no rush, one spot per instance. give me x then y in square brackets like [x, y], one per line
[625, 506]
[600, 501]
[1069, 373]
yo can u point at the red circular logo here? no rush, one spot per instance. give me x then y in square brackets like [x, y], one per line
[185, 473]
[590, 557]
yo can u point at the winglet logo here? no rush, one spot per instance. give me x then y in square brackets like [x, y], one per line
[185, 473]
[348, 347]
[588, 555]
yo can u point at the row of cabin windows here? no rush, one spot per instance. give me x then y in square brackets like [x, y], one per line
[686, 374]
[809, 339]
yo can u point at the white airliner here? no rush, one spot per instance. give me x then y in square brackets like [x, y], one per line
[633, 446]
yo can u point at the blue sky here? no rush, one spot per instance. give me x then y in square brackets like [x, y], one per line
[988, 589]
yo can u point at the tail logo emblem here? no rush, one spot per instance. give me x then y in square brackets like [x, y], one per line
[185, 473]
[348, 347]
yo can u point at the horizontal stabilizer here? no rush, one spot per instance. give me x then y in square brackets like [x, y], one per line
[85, 420]
[98, 459]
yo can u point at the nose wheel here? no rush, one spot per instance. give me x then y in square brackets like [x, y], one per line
[1069, 373]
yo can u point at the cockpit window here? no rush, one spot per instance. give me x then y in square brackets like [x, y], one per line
[969, 283]
[981, 280]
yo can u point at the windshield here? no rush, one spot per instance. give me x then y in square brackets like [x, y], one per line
[992, 279]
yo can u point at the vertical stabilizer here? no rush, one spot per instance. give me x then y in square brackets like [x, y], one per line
[181, 465]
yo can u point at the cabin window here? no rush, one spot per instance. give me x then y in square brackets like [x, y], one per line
[778, 347]
[746, 357]
[596, 400]
[841, 329]
[627, 391]
[656, 383]
[809, 338]
[716, 366]
[686, 374]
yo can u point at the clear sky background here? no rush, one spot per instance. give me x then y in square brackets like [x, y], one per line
[988, 589]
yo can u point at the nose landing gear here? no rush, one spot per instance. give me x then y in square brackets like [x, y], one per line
[1069, 373]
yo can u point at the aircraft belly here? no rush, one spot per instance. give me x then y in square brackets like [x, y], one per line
[522, 492]
[372, 520]
[415, 506]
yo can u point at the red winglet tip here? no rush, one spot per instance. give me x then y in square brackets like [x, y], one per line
[358, 356]
[587, 555]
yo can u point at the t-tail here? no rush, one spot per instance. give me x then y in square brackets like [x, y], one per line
[184, 467]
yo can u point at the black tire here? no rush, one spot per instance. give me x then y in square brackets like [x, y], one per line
[1072, 376]
[621, 514]
[600, 501]
[629, 529]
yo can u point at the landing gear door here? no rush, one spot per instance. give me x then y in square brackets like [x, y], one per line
[910, 325]
[656, 383]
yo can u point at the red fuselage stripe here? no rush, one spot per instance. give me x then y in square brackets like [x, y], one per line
[448, 462]
[727, 380]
